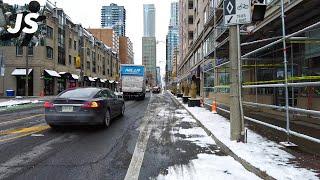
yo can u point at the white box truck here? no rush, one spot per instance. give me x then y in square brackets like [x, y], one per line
[133, 81]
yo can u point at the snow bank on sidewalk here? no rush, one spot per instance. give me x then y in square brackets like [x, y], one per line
[259, 151]
[17, 102]
[208, 167]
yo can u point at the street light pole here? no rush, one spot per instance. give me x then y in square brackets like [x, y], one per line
[27, 72]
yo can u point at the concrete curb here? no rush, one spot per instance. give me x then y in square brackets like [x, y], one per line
[226, 149]
[20, 108]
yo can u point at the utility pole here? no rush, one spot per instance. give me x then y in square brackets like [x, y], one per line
[27, 72]
[233, 17]
[236, 126]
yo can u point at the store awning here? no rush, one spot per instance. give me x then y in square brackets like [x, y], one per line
[91, 79]
[74, 76]
[20, 72]
[52, 73]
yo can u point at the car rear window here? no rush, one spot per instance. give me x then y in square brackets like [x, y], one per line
[79, 93]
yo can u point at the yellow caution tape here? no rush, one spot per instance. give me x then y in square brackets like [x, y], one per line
[302, 78]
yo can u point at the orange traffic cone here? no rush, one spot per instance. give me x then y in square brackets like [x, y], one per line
[214, 106]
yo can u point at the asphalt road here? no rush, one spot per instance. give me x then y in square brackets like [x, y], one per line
[155, 139]
[31, 150]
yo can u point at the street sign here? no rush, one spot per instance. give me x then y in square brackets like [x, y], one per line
[237, 12]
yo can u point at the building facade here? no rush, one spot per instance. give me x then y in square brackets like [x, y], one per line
[126, 54]
[114, 17]
[67, 57]
[149, 22]
[108, 36]
[149, 59]
[149, 44]
[204, 53]
[172, 40]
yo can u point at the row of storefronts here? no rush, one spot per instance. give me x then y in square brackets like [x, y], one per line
[53, 82]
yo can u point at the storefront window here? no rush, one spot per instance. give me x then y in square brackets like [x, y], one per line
[208, 83]
[224, 80]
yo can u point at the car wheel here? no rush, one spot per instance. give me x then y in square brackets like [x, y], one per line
[107, 119]
[123, 109]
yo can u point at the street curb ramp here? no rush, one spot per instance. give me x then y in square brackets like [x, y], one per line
[248, 166]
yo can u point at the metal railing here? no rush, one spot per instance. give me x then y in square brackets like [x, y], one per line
[274, 127]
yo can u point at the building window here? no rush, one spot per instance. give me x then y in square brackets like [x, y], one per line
[30, 51]
[94, 66]
[88, 52]
[70, 43]
[190, 35]
[190, 4]
[88, 65]
[70, 60]
[61, 56]
[19, 51]
[49, 32]
[49, 52]
[190, 20]
[75, 45]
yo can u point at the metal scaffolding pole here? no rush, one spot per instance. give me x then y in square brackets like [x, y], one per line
[285, 63]
[280, 40]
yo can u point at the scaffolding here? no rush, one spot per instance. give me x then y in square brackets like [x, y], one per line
[289, 83]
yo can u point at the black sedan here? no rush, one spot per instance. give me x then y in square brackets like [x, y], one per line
[84, 106]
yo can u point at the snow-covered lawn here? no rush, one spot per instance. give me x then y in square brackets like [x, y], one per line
[15, 102]
[259, 151]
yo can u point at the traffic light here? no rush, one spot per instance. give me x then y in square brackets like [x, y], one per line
[258, 10]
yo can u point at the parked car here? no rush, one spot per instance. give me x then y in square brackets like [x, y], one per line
[156, 90]
[84, 106]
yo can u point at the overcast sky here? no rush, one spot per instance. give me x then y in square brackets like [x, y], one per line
[88, 14]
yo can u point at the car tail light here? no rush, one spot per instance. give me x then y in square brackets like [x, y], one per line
[48, 105]
[90, 105]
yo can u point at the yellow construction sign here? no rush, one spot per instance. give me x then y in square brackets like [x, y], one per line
[78, 62]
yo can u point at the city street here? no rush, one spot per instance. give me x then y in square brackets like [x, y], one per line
[69, 153]
[169, 145]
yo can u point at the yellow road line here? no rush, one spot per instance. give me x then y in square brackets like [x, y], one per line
[21, 119]
[23, 132]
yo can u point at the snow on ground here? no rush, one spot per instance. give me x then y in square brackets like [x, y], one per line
[196, 135]
[17, 102]
[208, 167]
[259, 151]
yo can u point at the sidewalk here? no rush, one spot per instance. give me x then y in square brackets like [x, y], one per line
[11, 102]
[261, 153]
[172, 145]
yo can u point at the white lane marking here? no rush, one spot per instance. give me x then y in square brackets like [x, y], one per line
[17, 162]
[141, 145]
